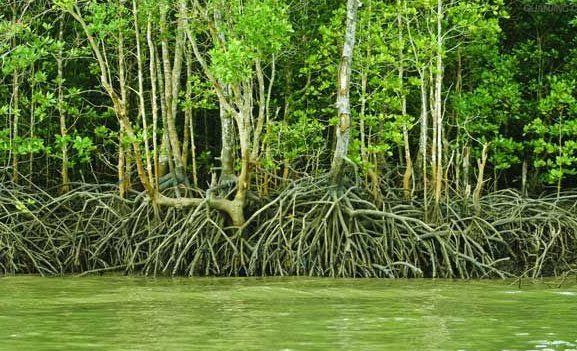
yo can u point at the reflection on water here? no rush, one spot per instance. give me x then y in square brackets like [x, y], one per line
[118, 313]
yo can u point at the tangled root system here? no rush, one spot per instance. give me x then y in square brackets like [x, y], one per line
[309, 228]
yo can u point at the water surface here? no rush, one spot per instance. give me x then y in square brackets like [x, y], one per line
[119, 313]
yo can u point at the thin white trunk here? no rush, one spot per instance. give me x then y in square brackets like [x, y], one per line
[407, 184]
[141, 103]
[439, 103]
[65, 180]
[154, 101]
[423, 140]
[343, 102]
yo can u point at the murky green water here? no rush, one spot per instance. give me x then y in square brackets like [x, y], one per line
[117, 313]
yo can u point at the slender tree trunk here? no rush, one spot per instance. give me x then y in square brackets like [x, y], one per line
[32, 122]
[439, 103]
[123, 159]
[266, 146]
[228, 132]
[481, 164]
[459, 163]
[423, 139]
[343, 102]
[171, 92]
[466, 170]
[227, 147]
[165, 160]
[373, 178]
[15, 122]
[65, 180]
[141, 102]
[364, 154]
[179, 46]
[261, 112]
[243, 120]
[434, 121]
[190, 118]
[524, 172]
[408, 175]
[186, 135]
[153, 101]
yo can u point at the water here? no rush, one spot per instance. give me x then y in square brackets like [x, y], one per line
[118, 313]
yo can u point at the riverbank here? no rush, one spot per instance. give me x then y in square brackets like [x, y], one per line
[308, 229]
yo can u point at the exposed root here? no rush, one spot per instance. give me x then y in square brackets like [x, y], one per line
[309, 228]
[318, 230]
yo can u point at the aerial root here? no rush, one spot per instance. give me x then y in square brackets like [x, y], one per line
[309, 228]
[320, 230]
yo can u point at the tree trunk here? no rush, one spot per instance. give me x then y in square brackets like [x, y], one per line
[190, 118]
[228, 132]
[227, 148]
[439, 103]
[466, 171]
[123, 159]
[154, 101]
[32, 122]
[408, 175]
[15, 122]
[343, 102]
[424, 136]
[481, 164]
[141, 103]
[65, 180]
[171, 92]
[261, 112]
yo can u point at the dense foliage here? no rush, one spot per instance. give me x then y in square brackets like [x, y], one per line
[288, 137]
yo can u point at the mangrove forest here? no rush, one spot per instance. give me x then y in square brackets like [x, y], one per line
[329, 138]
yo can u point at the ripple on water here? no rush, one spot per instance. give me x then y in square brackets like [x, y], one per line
[323, 314]
[545, 345]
